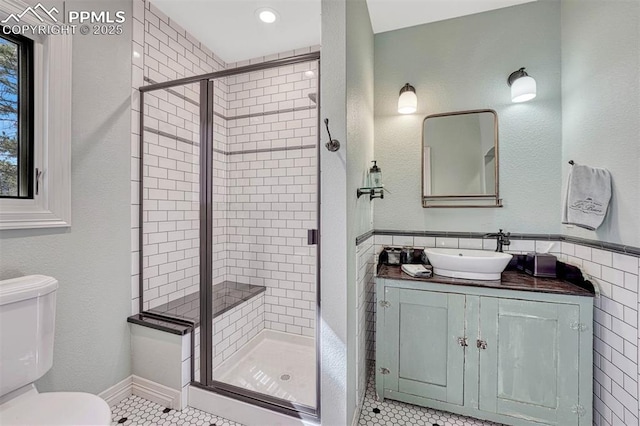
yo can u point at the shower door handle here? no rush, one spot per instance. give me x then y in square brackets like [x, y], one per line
[312, 237]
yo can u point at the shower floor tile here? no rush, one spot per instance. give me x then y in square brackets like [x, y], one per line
[137, 411]
[395, 413]
[274, 363]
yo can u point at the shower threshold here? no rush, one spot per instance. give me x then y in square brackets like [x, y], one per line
[274, 363]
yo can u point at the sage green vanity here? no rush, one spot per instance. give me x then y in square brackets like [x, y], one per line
[518, 353]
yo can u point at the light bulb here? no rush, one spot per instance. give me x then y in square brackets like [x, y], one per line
[267, 16]
[407, 102]
[523, 89]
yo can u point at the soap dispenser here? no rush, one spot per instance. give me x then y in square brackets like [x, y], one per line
[375, 176]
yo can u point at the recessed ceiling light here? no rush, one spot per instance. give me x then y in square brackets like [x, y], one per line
[266, 15]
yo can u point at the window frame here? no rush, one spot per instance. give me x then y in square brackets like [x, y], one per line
[26, 169]
[51, 206]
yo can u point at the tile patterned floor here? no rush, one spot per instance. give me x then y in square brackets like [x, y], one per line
[136, 411]
[395, 413]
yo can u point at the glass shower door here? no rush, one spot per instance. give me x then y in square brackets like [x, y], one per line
[264, 202]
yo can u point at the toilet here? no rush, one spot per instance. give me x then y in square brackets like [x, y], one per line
[27, 325]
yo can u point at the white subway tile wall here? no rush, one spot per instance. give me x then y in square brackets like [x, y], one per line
[236, 327]
[364, 281]
[616, 332]
[272, 190]
[170, 192]
[264, 200]
[232, 330]
[137, 80]
[164, 51]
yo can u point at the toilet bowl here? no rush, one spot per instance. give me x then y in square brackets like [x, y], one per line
[27, 324]
[55, 408]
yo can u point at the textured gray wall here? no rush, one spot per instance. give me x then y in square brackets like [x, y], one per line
[91, 260]
[347, 100]
[333, 217]
[601, 105]
[463, 64]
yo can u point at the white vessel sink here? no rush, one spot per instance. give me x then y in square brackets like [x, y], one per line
[468, 264]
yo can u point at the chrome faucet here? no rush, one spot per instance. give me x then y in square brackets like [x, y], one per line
[501, 238]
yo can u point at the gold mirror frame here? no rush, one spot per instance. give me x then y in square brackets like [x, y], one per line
[459, 200]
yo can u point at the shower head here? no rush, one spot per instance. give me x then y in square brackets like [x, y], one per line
[312, 96]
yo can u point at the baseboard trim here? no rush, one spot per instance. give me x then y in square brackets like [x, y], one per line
[117, 392]
[156, 392]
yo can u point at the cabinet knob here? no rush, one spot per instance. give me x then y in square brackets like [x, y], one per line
[481, 344]
[579, 410]
[462, 341]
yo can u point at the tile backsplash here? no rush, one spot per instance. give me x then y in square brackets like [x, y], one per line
[616, 333]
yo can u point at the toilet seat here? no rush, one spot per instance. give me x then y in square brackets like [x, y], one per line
[56, 408]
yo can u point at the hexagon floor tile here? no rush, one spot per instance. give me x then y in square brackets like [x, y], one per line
[136, 411]
[395, 413]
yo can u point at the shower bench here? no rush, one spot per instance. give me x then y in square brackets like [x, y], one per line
[165, 340]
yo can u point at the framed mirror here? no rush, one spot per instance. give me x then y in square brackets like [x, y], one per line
[460, 159]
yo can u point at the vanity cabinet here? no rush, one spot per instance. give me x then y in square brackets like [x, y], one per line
[515, 357]
[424, 361]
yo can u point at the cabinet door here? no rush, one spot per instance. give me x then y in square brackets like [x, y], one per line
[425, 358]
[529, 368]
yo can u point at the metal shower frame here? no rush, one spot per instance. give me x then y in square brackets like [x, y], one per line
[206, 235]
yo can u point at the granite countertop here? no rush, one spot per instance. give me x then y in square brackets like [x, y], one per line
[226, 296]
[511, 280]
[160, 324]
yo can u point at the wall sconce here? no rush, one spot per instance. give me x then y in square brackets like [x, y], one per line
[408, 101]
[523, 87]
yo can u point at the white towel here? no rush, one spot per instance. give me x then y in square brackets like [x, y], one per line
[587, 197]
[419, 271]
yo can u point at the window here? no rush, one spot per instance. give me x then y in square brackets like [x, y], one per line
[16, 117]
[36, 121]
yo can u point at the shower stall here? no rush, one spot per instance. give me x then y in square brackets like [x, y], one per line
[229, 226]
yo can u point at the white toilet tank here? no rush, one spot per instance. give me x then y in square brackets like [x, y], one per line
[27, 325]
